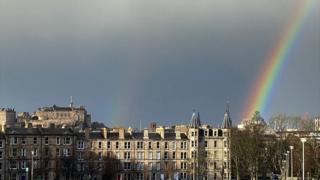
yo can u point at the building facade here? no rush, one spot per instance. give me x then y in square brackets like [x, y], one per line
[193, 151]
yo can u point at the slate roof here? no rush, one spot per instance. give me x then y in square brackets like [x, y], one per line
[39, 131]
[136, 135]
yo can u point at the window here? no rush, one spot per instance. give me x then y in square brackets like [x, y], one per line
[153, 176]
[158, 166]
[183, 165]
[158, 145]
[150, 145]
[100, 145]
[23, 141]
[140, 155]
[127, 155]
[193, 154]
[206, 144]
[67, 140]
[14, 140]
[192, 143]
[1, 155]
[108, 144]
[46, 140]
[166, 145]
[117, 145]
[118, 155]
[58, 140]
[173, 155]
[57, 152]
[35, 152]
[127, 145]
[215, 143]
[183, 155]
[150, 155]
[35, 140]
[1, 144]
[166, 155]
[80, 144]
[13, 164]
[140, 176]
[140, 145]
[80, 156]
[205, 133]
[100, 155]
[150, 166]
[225, 143]
[140, 166]
[158, 155]
[192, 133]
[183, 145]
[173, 145]
[46, 151]
[14, 152]
[66, 152]
[127, 166]
[0, 165]
[23, 165]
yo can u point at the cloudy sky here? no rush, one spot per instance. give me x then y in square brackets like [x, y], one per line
[128, 61]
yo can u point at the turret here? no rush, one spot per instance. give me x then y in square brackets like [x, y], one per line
[195, 120]
[227, 122]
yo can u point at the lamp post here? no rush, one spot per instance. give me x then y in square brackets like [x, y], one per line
[32, 153]
[285, 166]
[287, 160]
[27, 170]
[303, 140]
[291, 149]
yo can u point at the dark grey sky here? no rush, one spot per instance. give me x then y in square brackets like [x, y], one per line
[153, 60]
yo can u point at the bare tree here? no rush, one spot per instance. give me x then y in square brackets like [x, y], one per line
[111, 167]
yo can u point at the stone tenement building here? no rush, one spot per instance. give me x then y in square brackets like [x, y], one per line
[192, 151]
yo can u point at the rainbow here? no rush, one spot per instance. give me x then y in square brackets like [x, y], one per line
[261, 92]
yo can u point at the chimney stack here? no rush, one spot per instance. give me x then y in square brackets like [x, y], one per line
[160, 130]
[178, 134]
[145, 134]
[121, 133]
[104, 132]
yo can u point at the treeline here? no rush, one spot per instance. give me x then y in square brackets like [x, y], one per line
[282, 122]
[256, 154]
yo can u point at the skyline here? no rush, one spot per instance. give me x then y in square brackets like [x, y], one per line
[153, 61]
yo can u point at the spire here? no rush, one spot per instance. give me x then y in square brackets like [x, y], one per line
[195, 119]
[71, 102]
[227, 122]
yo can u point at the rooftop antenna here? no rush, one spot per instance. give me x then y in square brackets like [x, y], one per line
[71, 102]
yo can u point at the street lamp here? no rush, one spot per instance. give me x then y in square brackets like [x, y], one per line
[285, 167]
[27, 170]
[291, 149]
[303, 140]
[287, 160]
[32, 153]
